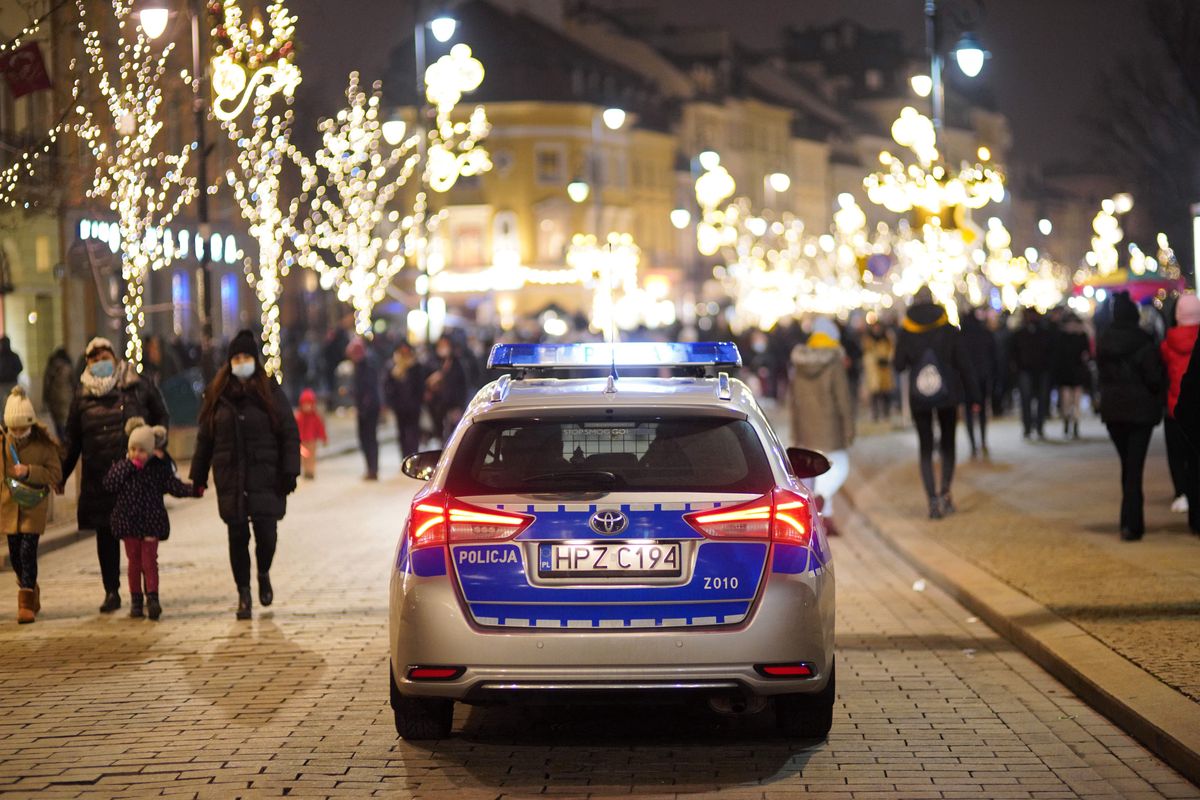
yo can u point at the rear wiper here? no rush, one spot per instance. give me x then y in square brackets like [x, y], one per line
[574, 476]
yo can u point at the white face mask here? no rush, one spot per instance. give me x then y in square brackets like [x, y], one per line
[244, 370]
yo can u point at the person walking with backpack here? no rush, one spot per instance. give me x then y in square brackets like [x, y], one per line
[1132, 383]
[248, 436]
[32, 466]
[939, 379]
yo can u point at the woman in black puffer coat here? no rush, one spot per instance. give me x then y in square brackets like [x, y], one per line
[248, 436]
[940, 379]
[1132, 391]
[110, 393]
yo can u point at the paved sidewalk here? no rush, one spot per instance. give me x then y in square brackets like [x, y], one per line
[63, 530]
[1034, 548]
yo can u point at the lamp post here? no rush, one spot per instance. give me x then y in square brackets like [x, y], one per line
[579, 190]
[153, 15]
[442, 26]
[968, 53]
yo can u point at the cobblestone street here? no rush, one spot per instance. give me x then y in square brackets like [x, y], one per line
[932, 703]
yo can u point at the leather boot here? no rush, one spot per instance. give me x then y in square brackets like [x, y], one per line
[153, 608]
[135, 606]
[245, 607]
[265, 595]
[112, 601]
[25, 612]
[37, 599]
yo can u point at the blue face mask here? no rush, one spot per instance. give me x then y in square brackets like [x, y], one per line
[102, 369]
[244, 370]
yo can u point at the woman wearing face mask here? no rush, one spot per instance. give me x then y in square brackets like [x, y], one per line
[110, 393]
[248, 435]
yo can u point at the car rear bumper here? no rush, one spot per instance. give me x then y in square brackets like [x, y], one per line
[792, 622]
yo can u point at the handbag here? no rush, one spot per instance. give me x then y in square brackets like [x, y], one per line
[25, 495]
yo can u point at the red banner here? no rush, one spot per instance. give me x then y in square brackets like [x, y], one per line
[25, 70]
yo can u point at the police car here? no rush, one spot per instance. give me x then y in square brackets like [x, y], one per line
[584, 536]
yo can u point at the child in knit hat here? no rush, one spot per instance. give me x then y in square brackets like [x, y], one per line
[32, 464]
[140, 517]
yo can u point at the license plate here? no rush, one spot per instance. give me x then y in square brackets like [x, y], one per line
[618, 559]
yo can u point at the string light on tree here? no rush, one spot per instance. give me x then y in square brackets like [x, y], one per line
[352, 235]
[259, 66]
[144, 187]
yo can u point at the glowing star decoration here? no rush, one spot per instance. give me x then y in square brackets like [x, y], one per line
[263, 148]
[453, 149]
[144, 187]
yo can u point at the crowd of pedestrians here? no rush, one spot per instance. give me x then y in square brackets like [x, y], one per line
[1044, 365]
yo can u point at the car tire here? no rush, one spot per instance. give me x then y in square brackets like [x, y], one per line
[420, 718]
[807, 716]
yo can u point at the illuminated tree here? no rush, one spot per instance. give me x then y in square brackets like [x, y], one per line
[144, 187]
[250, 70]
[354, 236]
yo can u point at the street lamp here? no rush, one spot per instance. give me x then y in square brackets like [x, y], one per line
[968, 54]
[153, 16]
[578, 190]
[442, 26]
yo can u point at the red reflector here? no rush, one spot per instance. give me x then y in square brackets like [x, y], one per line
[434, 673]
[785, 670]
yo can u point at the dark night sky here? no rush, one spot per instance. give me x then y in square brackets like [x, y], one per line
[1046, 53]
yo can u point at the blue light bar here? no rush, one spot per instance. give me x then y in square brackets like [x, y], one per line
[598, 355]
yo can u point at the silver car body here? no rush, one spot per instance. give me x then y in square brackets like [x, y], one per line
[442, 612]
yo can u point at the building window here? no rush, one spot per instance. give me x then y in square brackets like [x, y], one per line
[229, 304]
[549, 164]
[551, 239]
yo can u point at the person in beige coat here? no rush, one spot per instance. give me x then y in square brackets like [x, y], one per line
[822, 410]
[31, 458]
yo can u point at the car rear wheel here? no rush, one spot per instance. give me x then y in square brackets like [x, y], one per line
[807, 716]
[421, 717]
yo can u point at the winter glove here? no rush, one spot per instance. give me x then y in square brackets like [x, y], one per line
[287, 484]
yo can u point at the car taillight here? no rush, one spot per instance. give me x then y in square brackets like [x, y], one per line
[792, 522]
[780, 516]
[470, 524]
[748, 521]
[438, 518]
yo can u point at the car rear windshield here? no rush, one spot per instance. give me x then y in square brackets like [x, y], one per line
[652, 454]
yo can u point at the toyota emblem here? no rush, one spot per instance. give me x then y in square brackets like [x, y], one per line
[608, 522]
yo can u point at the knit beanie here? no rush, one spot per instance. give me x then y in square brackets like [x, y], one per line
[144, 436]
[97, 344]
[826, 327]
[18, 410]
[1187, 310]
[244, 344]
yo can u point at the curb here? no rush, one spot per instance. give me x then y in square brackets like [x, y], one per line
[1162, 719]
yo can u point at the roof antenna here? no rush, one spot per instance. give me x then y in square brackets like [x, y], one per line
[611, 324]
